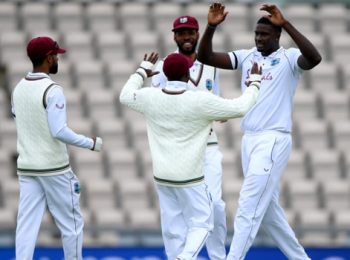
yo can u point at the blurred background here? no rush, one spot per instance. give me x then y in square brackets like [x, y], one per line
[105, 41]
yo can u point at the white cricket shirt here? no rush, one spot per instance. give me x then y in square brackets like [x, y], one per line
[273, 110]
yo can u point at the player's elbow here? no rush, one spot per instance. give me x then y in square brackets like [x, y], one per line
[203, 57]
[317, 60]
[122, 98]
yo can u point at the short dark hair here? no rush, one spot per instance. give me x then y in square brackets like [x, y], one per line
[265, 20]
[37, 61]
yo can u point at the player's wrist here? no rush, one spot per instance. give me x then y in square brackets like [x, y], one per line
[255, 84]
[97, 144]
[255, 77]
[211, 26]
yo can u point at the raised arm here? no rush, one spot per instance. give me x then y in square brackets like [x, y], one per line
[310, 56]
[130, 94]
[216, 15]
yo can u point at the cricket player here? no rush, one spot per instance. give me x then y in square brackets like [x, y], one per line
[202, 78]
[45, 176]
[267, 142]
[178, 125]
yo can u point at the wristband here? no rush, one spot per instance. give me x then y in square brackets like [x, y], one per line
[147, 65]
[142, 73]
[97, 144]
[254, 77]
[211, 26]
[255, 84]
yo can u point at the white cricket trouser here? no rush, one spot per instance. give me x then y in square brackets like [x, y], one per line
[264, 157]
[60, 193]
[186, 219]
[213, 178]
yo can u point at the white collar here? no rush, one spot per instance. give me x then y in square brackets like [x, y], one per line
[176, 86]
[36, 75]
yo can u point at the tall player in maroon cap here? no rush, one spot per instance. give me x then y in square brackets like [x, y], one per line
[45, 176]
[202, 78]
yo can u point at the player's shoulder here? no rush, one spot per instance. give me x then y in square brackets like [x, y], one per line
[290, 51]
[245, 54]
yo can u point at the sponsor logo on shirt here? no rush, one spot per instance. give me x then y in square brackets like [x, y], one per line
[268, 76]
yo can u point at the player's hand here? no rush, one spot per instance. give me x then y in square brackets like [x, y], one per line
[256, 69]
[275, 15]
[148, 63]
[97, 147]
[255, 74]
[216, 14]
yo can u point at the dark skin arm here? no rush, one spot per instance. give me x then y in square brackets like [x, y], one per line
[221, 60]
[310, 57]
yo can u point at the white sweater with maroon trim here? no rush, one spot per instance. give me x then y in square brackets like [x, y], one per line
[178, 124]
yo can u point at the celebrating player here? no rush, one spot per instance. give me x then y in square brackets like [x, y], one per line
[266, 143]
[202, 78]
[178, 125]
[45, 176]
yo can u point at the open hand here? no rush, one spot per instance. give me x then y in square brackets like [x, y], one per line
[148, 62]
[275, 16]
[256, 69]
[255, 74]
[216, 14]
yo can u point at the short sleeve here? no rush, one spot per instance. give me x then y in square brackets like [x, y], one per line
[293, 54]
[237, 57]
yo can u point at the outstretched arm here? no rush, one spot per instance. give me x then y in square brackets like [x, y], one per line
[310, 56]
[206, 55]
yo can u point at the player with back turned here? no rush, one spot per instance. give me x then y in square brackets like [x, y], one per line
[178, 125]
[267, 142]
[202, 78]
[45, 176]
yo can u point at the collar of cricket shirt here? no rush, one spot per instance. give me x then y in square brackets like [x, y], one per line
[36, 76]
[175, 87]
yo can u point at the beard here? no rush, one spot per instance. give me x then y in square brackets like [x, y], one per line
[54, 69]
[187, 51]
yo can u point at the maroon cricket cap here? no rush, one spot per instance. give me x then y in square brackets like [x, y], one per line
[188, 22]
[39, 47]
[176, 66]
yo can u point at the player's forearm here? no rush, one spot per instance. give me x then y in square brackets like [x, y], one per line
[68, 136]
[307, 49]
[205, 48]
[206, 54]
[224, 109]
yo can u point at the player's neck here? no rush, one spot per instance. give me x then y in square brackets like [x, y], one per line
[270, 51]
[192, 56]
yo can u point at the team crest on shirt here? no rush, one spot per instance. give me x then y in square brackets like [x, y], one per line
[77, 187]
[275, 61]
[209, 84]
